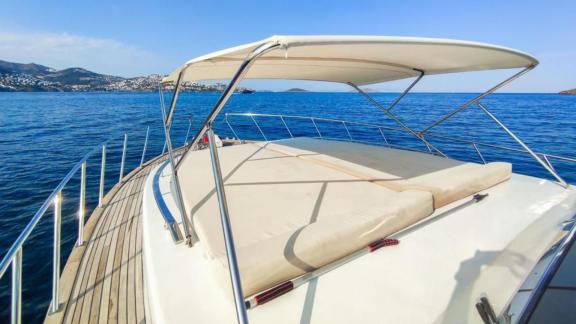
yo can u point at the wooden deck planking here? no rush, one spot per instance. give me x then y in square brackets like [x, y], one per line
[104, 278]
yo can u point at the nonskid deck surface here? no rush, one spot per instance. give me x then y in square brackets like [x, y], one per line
[103, 279]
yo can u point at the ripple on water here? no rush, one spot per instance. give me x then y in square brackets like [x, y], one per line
[42, 135]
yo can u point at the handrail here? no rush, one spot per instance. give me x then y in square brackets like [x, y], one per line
[14, 254]
[560, 252]
[38, 215]
[475, 144]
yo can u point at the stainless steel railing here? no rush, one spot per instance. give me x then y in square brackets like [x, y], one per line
[381, 129]
[14, 255]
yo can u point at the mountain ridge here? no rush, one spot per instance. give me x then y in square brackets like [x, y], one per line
[32, 77]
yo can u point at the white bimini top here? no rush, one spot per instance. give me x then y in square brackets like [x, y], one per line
[357, 59]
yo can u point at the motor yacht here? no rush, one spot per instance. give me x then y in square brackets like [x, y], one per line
[313, 229]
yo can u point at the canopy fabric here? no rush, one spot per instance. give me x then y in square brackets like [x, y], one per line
[358, 59]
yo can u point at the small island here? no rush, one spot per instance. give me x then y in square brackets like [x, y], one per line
[296, 90]
[569, 92]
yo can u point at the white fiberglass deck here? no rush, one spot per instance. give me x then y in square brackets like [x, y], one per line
[436, 274]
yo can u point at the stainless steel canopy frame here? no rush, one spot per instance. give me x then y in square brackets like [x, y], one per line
[227, 230]
[478, 98]
[186, 224]
[238, 76]
[387, 112]
[420, 135]
[206, 129]
[547, 166]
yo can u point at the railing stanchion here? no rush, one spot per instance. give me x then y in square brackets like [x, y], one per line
[383, 137]
[347, 131]
[188, 131]
[145, 146]
[82, 205]
[548, 161]
[102, 176]
[122, 163]
[230, 126]
[258, 126]
[478, 152]
[16, 307]
[316, 127]
[56, 261]
[285, 125]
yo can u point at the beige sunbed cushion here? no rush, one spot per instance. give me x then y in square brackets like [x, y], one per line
[291, 254]
[448, 180]
[289, 215]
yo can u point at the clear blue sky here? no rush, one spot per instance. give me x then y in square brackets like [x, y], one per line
[131, 38]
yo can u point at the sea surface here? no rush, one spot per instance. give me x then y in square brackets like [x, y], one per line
[42, 135]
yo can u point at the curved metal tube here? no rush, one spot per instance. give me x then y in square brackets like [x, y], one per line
[407, 90]
[40, 212]
[186, 224]
[238, 76]
[478, 98]
[395, 119]
[524, 146]
[227, 231]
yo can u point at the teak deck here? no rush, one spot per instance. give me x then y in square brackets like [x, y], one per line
[102, 281]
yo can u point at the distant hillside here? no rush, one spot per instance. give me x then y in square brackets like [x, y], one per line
[296, 90]
[570, 92]
[79, 76]
[31, 68]
[35, 77]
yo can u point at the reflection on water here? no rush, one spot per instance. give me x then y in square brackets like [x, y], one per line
[43, 134]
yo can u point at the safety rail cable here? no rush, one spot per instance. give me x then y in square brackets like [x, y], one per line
[474, 144]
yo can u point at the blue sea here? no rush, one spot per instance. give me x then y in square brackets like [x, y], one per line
[42, 135]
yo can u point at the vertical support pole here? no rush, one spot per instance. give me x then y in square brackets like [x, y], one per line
[176, 183]
[56, 261]
[16, 306]
[226, 228]
[102, 176]
[82, 206]
[177, 87]
[258, 126]
[524, 146]
[285, 125]
[145, 146]
[230, 126]
[123, 162]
